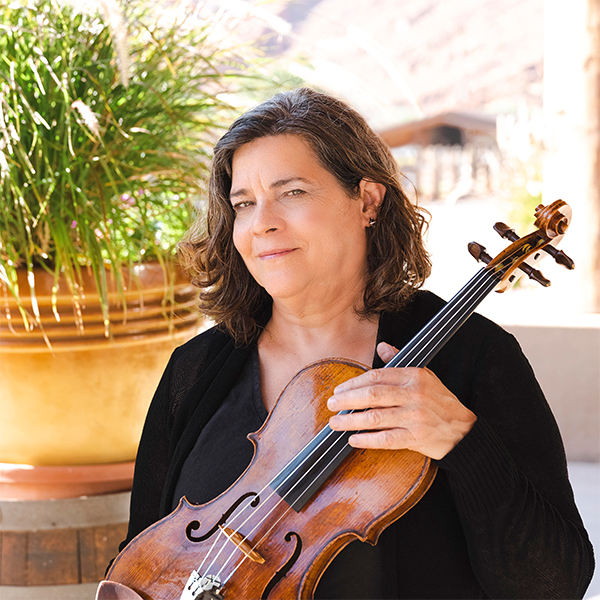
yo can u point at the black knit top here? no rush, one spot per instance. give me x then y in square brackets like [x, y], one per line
[499, 520]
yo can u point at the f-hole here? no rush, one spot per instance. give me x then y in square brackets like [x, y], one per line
[194, 525]
[279, 575]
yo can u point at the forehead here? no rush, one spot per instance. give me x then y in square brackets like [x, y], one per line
[278, 155]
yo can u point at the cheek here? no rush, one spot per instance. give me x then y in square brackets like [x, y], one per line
[239, 239]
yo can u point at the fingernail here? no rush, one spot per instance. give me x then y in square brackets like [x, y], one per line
[333, 422]
[331, 403]
[352, 440]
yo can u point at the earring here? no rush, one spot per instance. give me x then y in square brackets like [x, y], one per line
[372, 222]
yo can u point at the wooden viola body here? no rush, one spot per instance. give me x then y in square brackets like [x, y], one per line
[367, 492]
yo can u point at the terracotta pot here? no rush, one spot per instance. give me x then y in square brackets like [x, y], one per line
[28, 482]
[84, 400]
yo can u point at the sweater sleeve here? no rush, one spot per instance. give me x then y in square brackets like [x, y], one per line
[509, 481]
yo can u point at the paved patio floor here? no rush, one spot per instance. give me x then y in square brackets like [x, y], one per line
[585, 478]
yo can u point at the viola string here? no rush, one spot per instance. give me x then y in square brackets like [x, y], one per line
[225, 545]
[463, 312]
[480, 275]
[268, 514]
[441, 319]
[467, 312]
[440, 316]
[287, 510]
[410, 356]
[473, 298]
[210, 550]
[432, 346]
[485, 272]
[263, 503]
[240, 510]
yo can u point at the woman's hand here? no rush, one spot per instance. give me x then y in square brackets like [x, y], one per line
[400, 408]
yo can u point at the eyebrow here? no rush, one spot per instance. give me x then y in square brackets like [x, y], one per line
[243, 192]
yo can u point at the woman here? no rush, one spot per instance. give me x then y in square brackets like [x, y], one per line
[312, 250]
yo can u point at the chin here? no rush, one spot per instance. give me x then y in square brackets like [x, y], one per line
[281, 291]
[280, 294]
[279, 286]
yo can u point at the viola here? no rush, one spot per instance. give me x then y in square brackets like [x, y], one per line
[307, 493]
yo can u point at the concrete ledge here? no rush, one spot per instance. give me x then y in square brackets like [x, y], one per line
[36, 515]
[83, 591]
[566, 361]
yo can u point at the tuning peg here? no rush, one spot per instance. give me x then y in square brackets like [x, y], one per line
[534, 274]
[478, 252]
[506, 232]
[560, 257]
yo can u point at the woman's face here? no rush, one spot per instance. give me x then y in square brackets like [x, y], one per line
[297, 230]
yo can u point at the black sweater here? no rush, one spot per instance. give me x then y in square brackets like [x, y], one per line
[499, 520]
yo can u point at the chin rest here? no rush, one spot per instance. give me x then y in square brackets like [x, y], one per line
[111, 590]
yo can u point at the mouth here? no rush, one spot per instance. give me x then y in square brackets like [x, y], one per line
[276, 253]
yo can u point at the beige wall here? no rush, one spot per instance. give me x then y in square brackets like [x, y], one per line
[566, 361]
[572, 133]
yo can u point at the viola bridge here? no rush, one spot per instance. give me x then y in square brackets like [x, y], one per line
[242, 544]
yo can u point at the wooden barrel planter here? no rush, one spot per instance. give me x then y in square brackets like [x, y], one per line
[59, 549]
[82, 401]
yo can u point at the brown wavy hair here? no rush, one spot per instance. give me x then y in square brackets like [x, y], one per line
[348, 148]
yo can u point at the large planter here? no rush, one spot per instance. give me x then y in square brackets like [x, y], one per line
[83, 401]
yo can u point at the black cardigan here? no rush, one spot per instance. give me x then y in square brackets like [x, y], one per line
[499, 520]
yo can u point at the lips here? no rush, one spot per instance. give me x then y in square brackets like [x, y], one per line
[275, 253]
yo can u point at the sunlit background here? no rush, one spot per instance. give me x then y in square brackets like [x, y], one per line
[490, 107]
[472, 73]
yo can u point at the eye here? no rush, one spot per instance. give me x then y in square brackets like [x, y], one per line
[242, 204]
[294, 192]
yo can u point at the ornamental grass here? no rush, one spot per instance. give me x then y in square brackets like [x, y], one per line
[108, 113]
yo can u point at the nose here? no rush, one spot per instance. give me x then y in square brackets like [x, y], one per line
[266, 218]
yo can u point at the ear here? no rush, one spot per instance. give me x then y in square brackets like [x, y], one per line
[371, 195]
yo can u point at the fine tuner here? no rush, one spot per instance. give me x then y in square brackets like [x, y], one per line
[552, 222]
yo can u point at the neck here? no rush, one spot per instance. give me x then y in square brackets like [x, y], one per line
[294, 338]
[313, 333]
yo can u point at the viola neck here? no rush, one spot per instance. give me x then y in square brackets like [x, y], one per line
[430, 340]
[300, 479]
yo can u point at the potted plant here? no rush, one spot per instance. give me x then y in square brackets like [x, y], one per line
[106, 120]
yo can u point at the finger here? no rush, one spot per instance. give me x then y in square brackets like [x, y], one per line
[389, 439]
[373, 419]
[386, 351]
[378, 377]
[373, 396]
